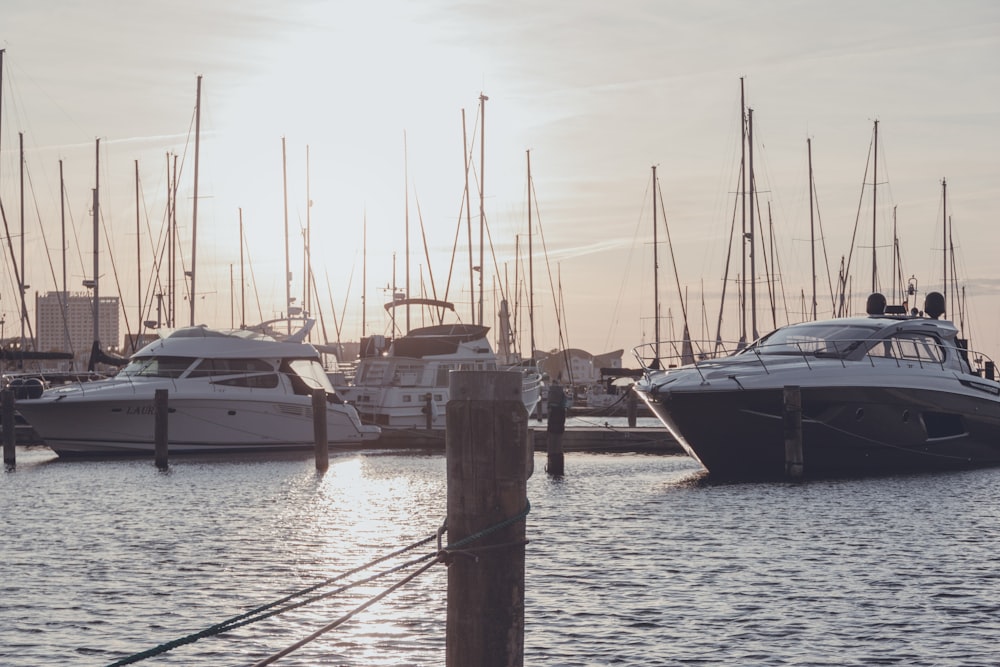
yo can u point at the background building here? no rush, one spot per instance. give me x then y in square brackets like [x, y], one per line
[74, 332]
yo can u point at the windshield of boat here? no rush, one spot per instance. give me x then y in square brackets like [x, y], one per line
[827, 339]
[306, 375]
[158, 367]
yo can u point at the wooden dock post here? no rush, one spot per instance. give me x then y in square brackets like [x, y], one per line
[632, 406]
[319, 429]
[161, 410]
[489, 463]
[555, 428]
[793, 431]
[9, 428]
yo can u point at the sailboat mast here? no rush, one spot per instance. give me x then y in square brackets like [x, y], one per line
[288, 270]
[64, 298]
[752, 232]
[531, 269]
[22, 287]
[874, 210]
[138, 261]
[243, 283]
[743, 210]
[307, 258]
[656, 277]
[194, 213]
[364, 270]
[812, 228]
[482, 200]
[944, 236]
[406, 219]
[97, 280]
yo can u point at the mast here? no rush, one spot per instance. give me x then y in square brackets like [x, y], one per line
[944, 233]
[138, 259]
[812, 228]
[22, 287]
[874, 211]
[743, 210]
[288, 270]
[656, 277]
[194, 213]
[243, 297]
[406, 220]
[307, 259]
[482, 194]
[64, 296]
[752, 231]
[97, 279]
[364, 270]
[531, 269]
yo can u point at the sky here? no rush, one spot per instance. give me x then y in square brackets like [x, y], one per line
[385, 98]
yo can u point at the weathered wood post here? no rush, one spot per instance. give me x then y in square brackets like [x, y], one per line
[429, 410]
[489, 462]
[793, 431]
[9, 429]
[319, 429]
[161, 410]
[555, 428]
[632, 406]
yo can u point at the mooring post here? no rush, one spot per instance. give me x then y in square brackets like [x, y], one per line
[429, 410]
[555, 428]
[160, 412]
[632, 406]
[489, 462]
[793, 431]
[319, 429]
[9, 429]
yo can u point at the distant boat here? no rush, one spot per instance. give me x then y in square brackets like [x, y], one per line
[228, 391]
[402, 384]
[886, 393]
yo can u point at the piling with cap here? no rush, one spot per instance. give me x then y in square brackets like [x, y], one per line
[489, 461]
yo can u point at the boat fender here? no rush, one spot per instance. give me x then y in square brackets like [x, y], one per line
[934, 304]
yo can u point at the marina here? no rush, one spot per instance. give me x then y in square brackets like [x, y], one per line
[633, 560]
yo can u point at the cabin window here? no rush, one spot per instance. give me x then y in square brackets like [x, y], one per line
[160, 366]
[216, 367]
[918, 347]
[821, 340]
[268, 381]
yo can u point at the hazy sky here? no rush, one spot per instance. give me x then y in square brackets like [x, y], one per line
[598, 92]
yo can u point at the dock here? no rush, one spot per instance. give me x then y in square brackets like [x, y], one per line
[575, 439]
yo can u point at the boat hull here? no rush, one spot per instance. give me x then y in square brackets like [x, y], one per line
[118, 426]
[845, 429]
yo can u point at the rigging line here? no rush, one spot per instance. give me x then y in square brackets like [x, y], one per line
[253, 279]
[673, 259]
[857, 221]
[346, 617]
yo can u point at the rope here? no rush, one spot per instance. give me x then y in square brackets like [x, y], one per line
[443, 555]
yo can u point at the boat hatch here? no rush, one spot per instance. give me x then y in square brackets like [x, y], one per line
[942, 424]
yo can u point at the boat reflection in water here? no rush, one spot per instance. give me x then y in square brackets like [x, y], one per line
[879, 394]
[228, 390]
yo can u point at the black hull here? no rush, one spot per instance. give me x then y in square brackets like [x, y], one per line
[845, 430]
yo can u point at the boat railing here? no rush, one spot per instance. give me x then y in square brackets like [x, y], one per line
[901, 351]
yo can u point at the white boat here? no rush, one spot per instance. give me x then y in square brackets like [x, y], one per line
[227, 391]
[402, 385]
[880, 394]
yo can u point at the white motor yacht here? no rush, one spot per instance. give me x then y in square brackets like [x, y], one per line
[227, 391]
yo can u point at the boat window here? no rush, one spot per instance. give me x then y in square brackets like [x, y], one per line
[442, 375]
[914, 347]
[214, 367]
[159, 366]
[371, 374]
[267, 381]
[821, 340]
[306, 375]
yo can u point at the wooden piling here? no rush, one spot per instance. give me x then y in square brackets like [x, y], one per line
[319, 429]
[161, 410]
[9, 428]
[488, 462]
[632, 406]
[792, 398]
[429, 410]
[556, 426]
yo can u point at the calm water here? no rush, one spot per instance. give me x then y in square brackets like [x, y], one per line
[633, 560]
